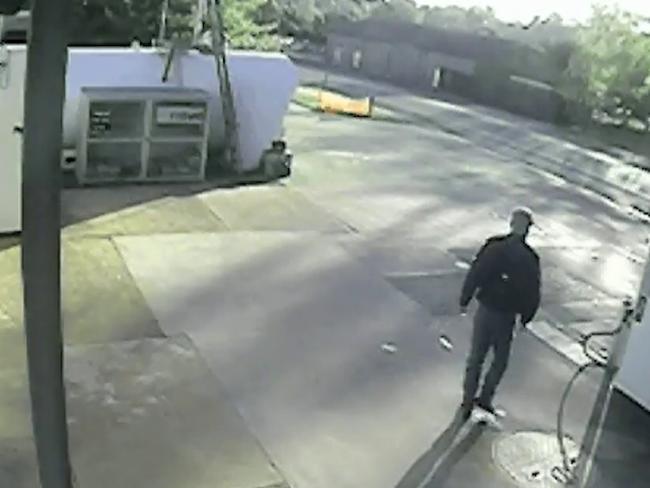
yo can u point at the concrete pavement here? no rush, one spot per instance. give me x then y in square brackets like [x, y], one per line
[540, 145]
[149, 413]
[291, 295]
[145, 413]
[292, 313]
[298, 346]
[143, 410]
[436, 191]
[434, 188]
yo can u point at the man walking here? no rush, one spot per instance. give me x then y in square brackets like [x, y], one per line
[505, 278]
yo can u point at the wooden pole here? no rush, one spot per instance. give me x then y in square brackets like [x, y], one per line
[41, 236]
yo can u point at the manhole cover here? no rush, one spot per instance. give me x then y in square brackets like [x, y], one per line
[529, 457]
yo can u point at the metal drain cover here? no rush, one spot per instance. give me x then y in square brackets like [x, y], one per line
[529, 457]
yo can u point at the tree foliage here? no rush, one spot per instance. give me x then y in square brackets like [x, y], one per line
[245, 29]
[402, 10]
[114, 22]
[454, 17]
[603, 65]
[119, 22]
[610, 69]
[308, 18]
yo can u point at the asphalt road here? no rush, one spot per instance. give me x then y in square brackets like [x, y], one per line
[597, 241]
[495, 129]
[320, 303]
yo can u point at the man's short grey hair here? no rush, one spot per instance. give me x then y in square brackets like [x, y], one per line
[521, 220]
[523, 212]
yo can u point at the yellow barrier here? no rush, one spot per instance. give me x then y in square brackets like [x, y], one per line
[333, 103]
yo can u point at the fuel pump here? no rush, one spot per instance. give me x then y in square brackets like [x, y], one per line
[631, 358]
[624, 366]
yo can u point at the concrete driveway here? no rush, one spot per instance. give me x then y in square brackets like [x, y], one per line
[321, 310]
[316, 307]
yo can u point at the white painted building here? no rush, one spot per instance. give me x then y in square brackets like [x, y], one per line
[263, 85]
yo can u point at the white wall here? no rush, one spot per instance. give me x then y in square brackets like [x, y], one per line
[263, 85]
[633, 378]
[12, 83]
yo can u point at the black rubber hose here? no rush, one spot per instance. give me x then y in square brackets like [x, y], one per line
[584, 342]
[595, 362]
[566, 464]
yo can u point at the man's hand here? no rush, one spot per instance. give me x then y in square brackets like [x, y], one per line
[520, 326]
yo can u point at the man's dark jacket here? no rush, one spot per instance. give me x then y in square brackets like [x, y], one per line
[506, 275]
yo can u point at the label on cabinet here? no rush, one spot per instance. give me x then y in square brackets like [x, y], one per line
[179, 115]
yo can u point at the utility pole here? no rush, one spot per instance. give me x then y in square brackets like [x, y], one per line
[41, 236]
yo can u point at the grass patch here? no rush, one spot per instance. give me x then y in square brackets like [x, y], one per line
[173, 215]
[609, 138]
[100, 300]
[307, 98]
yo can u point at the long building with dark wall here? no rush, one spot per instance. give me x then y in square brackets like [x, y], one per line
[480, 67]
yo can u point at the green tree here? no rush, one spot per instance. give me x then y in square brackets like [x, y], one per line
[243, 28]
[180, 19]
[454, 17]
[101, 22]
[308, 18]
[403, 10]
[296, 17]
[559, 54]
[610, 68]
[119, 22]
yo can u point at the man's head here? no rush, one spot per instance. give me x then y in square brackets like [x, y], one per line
[521, 221]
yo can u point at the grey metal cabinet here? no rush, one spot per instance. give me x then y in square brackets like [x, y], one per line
[142, 135]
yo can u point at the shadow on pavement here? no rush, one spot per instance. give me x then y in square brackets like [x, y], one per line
[84, 203]
[433, 468]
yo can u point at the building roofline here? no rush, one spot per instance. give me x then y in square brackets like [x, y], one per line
[476, 46]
